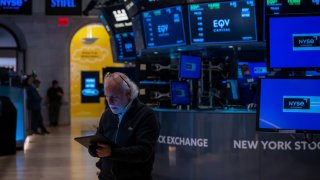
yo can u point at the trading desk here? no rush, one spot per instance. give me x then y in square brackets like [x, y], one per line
[223, 145]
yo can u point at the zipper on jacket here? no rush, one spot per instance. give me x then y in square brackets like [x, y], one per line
[115, 139]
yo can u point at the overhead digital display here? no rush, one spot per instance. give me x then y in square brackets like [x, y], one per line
[221, 22]
[16, 7]
[164, 27]
[293, 42]
[294, 104]
[63, 7]
[277, 7]
[126, 49]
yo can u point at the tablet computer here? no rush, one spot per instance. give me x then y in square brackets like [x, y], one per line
[94, 139]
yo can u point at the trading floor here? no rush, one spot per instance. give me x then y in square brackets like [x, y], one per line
[52, 157]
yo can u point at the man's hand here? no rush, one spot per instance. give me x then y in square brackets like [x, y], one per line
[104, 150]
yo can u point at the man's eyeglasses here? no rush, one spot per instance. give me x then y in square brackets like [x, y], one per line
[112, 75]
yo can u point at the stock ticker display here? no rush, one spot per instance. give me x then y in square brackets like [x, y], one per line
[125, 46]
[221, 22]
[163, 27]
[278, 7]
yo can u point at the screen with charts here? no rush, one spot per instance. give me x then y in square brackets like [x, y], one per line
[293, 42]
[257, 69]
[289, 104]
[281, 7]
[180, 93]
[125, 46]
[163, 27]
[221, 22]
[190, 67]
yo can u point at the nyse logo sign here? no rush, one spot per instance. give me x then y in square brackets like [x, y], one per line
[296, 103]
[306, 42]
[221, 25]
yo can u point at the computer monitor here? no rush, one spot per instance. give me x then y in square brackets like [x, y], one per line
[222, 22]
[293, 42]
[163, 27]
[190, 67]
[289, 104]
[125, 46]
[180, 93]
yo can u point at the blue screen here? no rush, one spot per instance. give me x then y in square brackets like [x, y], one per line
[190, 67]
[180, 93]
[220, 22]
[290, 104]
[163, 27]
[294, 42]
[126, 49]
[257, 69]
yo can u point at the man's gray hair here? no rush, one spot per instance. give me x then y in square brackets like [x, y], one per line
[127, 83]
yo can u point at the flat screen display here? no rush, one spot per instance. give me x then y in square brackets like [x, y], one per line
[63, 7]
[90, 87]
[180, 93]
[125, 46]
[257, 69]
[281, 7]
[289, 104]
[16, 7]
[163, 27]
[221, 22]
[190, 67]
[294, 42]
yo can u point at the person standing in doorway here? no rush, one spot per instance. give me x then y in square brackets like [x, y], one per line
[54, 96]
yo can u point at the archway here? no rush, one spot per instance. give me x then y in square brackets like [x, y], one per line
[90, 51]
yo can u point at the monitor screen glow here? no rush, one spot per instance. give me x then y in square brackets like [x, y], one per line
[163, 27]
[180, 93]
[222, 22]
[190, 67]
[289, 104]
[125, 46]
[294, 42]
